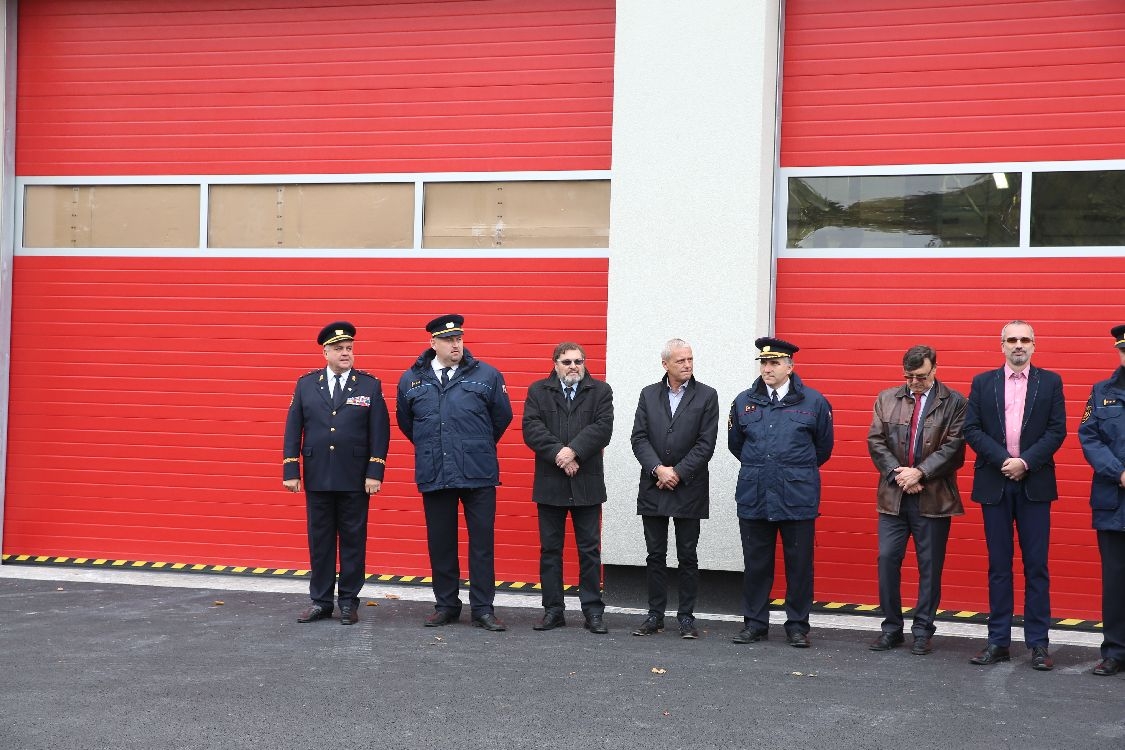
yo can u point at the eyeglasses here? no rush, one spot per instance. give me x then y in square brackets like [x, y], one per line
[1021, 340]
[569, 362]
[911, 377]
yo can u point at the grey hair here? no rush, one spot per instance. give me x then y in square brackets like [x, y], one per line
[670, 346]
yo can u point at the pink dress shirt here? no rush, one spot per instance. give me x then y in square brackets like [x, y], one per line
[1015, 396]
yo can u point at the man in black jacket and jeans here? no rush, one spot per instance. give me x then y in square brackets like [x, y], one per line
[673, 437]
[568, 422]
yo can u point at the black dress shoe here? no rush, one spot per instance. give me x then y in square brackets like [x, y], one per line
[315, 612]
[652, 624]
[922, 645]
[489, 622]
[797, 640]
[442, 617]
[750, 634]
[595, 624]
[886, 641]
[348, 615]
[1041, 659]
[992, 654]
[1107, 667]
[687, 627]
[550, 621]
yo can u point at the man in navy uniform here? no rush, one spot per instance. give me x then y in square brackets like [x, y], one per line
[454, 409]
[1016, 421]
[781, 431]
[338, 424]
[1102, 434]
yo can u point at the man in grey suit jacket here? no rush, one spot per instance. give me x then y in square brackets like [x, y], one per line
[673, 438]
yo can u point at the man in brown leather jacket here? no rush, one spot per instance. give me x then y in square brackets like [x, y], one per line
[917, 445]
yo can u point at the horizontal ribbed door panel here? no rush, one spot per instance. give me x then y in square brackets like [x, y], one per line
[283, 86]
[916, 82]
[148, 397]
[854, 319]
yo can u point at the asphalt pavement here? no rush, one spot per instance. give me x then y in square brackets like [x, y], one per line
[113, 659]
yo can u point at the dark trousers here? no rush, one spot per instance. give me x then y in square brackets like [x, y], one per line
[759, 539]
[656, 539]
[332, 516]
[1111, 545]
[587, 522]
[441, 536]
[1033, 523]
[930, 538]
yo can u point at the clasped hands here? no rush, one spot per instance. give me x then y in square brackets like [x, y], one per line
[666, 478]
[567, 460]
[909, 479]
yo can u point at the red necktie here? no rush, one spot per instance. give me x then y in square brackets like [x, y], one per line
[914, 429]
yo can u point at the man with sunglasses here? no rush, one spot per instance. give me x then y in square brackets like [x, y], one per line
[567, 422]
[917, 444]
[1016, 421]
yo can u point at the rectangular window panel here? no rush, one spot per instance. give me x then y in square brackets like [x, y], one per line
[904, 211]
[548, 213]
[111, 216]
[360, 215]
[1084, 209]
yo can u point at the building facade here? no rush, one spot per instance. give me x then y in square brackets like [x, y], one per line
[190, 191]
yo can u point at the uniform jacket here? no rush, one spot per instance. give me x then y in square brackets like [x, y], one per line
[1043, 432]
[338, 448]
[454, 429]
[781, 449]
[685, 442]
[586, 428]
[942, 451]
[1102, 434]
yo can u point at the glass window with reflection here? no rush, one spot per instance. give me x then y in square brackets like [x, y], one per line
[904, 211]
[1078, 209]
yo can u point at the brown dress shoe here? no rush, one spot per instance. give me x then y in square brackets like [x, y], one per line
[886, 641]
[315, 612]
[442, 617]
[348, 615]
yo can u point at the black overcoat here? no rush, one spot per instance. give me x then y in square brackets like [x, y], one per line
[685, 442]
[586, 428]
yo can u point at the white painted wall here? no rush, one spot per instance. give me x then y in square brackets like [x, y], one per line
[690, 252]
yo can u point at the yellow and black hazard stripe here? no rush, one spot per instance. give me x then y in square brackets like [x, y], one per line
[949, 615]
[247, 570]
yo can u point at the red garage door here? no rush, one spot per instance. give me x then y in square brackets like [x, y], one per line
[902, 87]
[149, 384]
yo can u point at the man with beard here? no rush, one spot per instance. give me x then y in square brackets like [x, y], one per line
[454, 409]
[781, 432]
[568, 422]
[1016, 421]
